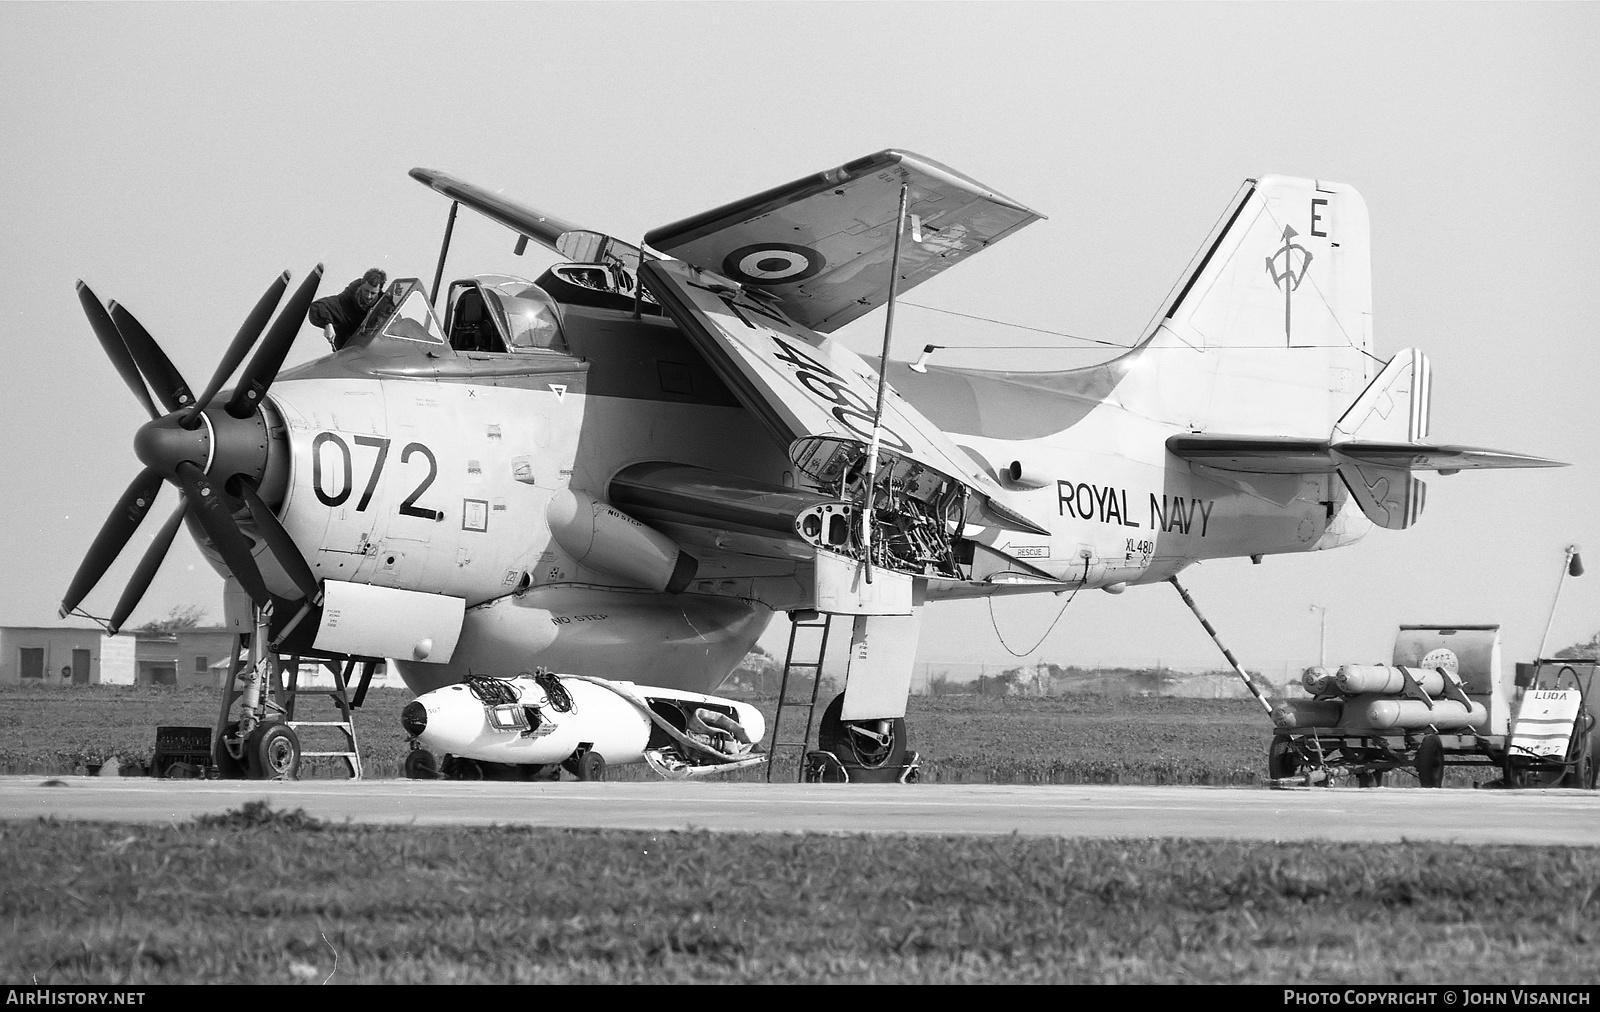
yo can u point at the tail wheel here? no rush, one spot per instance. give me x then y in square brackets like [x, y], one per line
[273, 753]
[1430, 762]
[872, 744]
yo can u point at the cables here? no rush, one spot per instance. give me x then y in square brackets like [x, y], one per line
[1053, 621]
[560, 699]
[491, 691]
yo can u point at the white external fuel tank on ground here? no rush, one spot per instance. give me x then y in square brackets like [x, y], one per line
[607, 540]
[1353, 679]
[1317, 679]
[525, 723]
[1390, 713]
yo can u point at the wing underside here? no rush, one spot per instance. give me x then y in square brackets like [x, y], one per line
[821, 246]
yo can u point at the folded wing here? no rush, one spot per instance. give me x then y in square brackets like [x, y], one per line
[822, 245]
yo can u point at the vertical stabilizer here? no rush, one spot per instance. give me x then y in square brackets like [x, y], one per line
[1290, 268]
[1269, 331]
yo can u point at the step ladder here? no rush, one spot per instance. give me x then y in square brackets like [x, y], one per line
[807, 621]
[340, 694]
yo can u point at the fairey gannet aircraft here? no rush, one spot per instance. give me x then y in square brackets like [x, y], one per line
[624, 468]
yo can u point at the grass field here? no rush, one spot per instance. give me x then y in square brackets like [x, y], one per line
[1065, 739]
[267, 898]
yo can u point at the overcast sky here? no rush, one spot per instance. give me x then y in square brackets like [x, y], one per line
[177, 157]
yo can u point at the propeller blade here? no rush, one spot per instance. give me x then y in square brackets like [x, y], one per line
[114, 347]
[153, 363]
[114, 535]
[268, 359]
[153, 557]
[216, 517]
[278, 541]
[253, 325]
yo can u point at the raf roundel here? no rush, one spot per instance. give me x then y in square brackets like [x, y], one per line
[773, 263]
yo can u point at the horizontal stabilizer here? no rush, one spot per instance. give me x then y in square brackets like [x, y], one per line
[1292, 455]
[1377, 474]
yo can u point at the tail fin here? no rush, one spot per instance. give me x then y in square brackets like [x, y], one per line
[1270, 331]
[1289, 268]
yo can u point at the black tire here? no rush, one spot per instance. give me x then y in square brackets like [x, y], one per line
[590, 766]
[272, 752]
[455, 767]
[855, 749]
[228, 768]
[1283, 760]
[421, 764]
[1430, 762]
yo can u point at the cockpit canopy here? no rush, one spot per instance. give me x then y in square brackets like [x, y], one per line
[498, 313]
[402, 313]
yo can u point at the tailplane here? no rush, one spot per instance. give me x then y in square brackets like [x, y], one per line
[1375, 447]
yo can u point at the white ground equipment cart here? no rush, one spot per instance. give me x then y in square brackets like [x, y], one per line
[1444, 701]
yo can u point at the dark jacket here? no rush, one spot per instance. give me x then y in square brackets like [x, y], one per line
[343, 311]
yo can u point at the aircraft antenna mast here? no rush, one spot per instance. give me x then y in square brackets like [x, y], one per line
[883, 385]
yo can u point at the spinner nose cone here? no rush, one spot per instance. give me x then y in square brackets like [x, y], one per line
[414, 718]
[164, 444]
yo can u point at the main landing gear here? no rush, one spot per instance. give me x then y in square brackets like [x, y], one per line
[860, 751]
[261, 741]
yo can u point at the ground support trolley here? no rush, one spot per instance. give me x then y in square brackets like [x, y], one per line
[1336, 756]
[1551, 741]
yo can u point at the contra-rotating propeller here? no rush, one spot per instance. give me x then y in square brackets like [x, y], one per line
[216, 456]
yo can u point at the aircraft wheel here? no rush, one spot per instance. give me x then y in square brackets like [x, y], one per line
[457, 768]
[420, 764]
[228, 768]
[1283, 761]
[591, 766]
[272, 752]
[1430, 762]
[871, 744]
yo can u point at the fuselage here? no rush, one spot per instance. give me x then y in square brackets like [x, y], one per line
[430, 468]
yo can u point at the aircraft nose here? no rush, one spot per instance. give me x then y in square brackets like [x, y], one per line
[414, 718]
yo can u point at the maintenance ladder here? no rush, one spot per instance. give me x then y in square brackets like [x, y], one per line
[806, 621]
[341, 699]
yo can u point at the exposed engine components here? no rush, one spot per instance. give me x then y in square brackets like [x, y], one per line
[917, 513]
